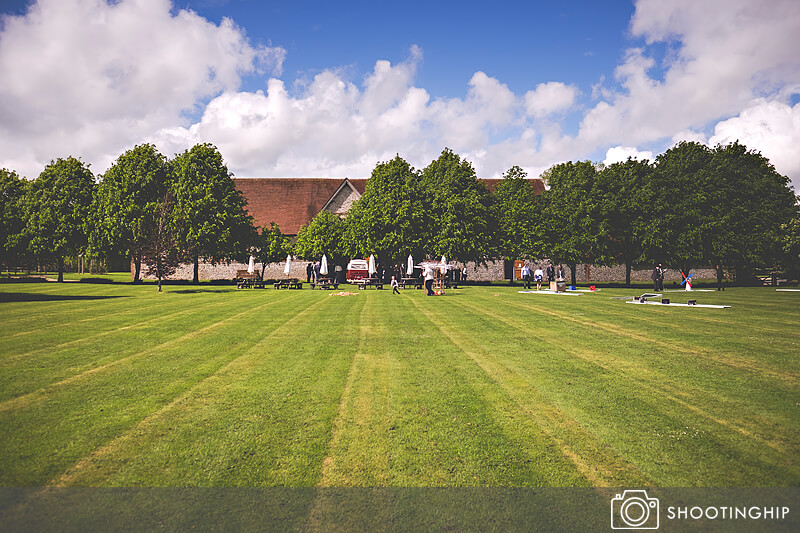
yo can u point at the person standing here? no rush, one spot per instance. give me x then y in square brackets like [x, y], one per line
[560, 273]
[551, 273]
[317, 267]
[429, 275]
[525, 273]
[538, 276]
[309, 271]
[395, 289]
[658, 278]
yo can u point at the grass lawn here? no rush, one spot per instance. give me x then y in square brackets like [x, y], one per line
[117, 385]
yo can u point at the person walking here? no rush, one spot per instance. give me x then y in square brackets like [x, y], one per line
[538, 276]
[395, 286]
[525, 273]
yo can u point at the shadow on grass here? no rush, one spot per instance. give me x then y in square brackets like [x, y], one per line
[25, 297]
[195, 291]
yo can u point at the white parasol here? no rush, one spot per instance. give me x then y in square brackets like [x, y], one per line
[323, 269]
[288, 267]
[410, 268]
[443, 266]
[251, 267]
[372, 269]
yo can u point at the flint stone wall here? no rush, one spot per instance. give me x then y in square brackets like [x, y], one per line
[492, 271]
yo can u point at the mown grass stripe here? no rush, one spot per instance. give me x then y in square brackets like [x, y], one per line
[659, 383]
[589, 455]
[728, 359]
[42, 394]
[194, 397]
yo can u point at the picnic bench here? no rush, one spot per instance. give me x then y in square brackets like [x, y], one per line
[248, 280]
[324, 283]
[291, 283]
[415, 283]
[363, 283]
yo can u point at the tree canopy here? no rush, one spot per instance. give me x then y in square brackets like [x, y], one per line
[58, 211]
[519, 217]
[13, 190]
[390, 219]
[271, 246]
[460, 208]
[324, 234]
[125, 200]
[215, 223]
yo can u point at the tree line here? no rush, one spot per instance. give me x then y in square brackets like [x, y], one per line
[725, 206]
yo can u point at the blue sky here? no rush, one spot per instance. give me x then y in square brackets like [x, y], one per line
[331, 88]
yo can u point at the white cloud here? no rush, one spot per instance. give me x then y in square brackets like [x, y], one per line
[726, 53]
[89, 78]
[549, 98]
[773, 128]
[620, 154]
[85, 78]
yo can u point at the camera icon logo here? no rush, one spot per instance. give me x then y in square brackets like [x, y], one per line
[634, 509]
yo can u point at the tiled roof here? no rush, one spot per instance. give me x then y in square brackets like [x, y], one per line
[292, 202]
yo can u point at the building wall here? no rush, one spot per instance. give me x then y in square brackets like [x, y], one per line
[492, 271]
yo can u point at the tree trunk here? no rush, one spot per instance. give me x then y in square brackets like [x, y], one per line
[137, 262]
[627, 274]
[196, 275]
[573, 267]
[60, 269]
[719, 278]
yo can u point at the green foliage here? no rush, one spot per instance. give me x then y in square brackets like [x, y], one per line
[272, 246]
[12, 216]
[624, 194]
[58, 211]
[390, 219]
[325, 234]
[125, 202]
[570, 210]
[215, 223]
[747, 203]
[519, 216]
[790, 246]
[682, 222]
[461, 209]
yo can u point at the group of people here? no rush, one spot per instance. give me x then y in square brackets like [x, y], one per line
[553, 274]
[658, 278]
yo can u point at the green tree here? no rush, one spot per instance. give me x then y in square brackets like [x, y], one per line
[13, 190]
[790, 245]
[389, 219]
[518, 216]
[58, 211]
[682, 221]
[130, 191]
[215, 223]
[570, 215]
[746, 203]
[461, 209]
[324, 234]
[624, 193]
[272, 246]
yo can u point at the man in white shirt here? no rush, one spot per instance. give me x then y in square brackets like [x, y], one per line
[525, 273]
